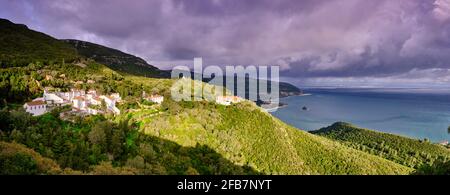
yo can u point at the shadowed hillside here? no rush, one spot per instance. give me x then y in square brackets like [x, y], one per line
[409, 152]
[16, 159]
[20, 46]
[117, 60]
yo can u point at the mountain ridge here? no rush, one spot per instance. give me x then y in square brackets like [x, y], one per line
[20, 45]
[116, 59]
[32, 51]
[130, 64]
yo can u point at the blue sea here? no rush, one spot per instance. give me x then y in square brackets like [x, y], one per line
[415, 113]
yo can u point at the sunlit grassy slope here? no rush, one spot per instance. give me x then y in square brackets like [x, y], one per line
[246, 135]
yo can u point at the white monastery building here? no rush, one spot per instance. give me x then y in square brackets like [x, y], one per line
[36, 108]
[80, 100]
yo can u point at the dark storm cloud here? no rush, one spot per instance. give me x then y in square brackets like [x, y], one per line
[309, 38]
[232, 8]
[181, 53]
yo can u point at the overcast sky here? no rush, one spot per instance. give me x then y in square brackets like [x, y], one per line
[316, 42]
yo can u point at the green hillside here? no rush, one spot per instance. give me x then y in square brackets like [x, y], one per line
[171, 138]
[132, 65]
[19, 46]
[409, 152]
[229, 139]
[117, 60]
[248, 136]
[16, 159]
[95, 145]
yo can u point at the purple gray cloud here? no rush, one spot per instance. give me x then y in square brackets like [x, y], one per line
[312, 40]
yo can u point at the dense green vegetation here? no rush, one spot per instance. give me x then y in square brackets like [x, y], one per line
[195, 137]
[437, 168]
[117, 60]
[19, 46]
[18, 84]
[95, 145]
[193, 145]
[246, 135]
[409, 152]
[15, 159]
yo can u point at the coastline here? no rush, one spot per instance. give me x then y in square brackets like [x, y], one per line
[281, 104]
[299, 95]
[385, 112]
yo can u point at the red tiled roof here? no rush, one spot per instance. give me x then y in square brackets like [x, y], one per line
[36, 103]
[78, 98]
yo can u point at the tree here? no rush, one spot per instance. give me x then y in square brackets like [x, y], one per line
[58, 146]
[191, 171]
[137, 162]
[17, 136]
[438, 168]
[18, 164]
[97, 135]
[117, 141]
[106, 168]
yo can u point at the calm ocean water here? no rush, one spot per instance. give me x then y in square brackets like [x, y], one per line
[415, 113]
